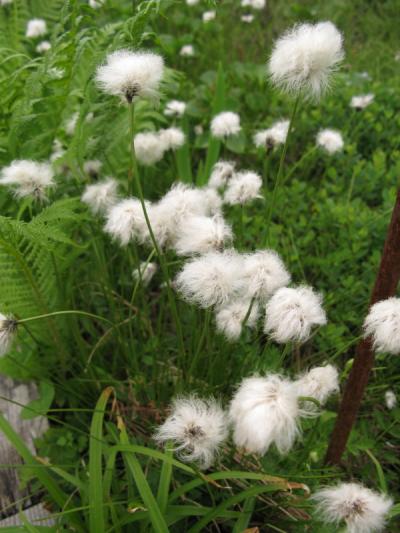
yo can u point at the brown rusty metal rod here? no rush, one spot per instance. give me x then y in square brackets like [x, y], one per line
[385, 286]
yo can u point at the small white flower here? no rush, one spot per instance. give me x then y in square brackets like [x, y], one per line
[362, 510]
[175, 108]
[304, 57]
[8, 327]
[126, 222]
[200, 234]
[28, 178]
[131, 74]
[225, 124]
[291, 314]
[149, 148]
[198, 428]
[221, 173]
[264, 273]
[319, 383]
[209, 15]
[390, 399]
[101, 196]
[146, 274]
[187, 50]
[92, 167]
[211, 279]
[330, 140]
[243, 187]
[172, 138]
[229, 317]
[43, 47]
[36, 28]
[264, 411]
[273, 136]
[383, 325]
[360, 102]
[248, 19]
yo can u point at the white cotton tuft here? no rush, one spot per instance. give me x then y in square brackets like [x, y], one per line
[330, 140]
[43, 47]
[131, 75]
[201, 234]
[243, 187]
[187, 50]
[255, 4]
[212, 201]
[211, 279]
[319, 383]
[229, 318]
[145, 272]
[192, 2]
[149, 149]
[126, 221]
[28, 178]
[390, 399]
[383, 325]
[304, 57]
[92, 167]
[58, 151]
[362, 510]
[291, 314]
[36, 28]
[360, 102]
[264, 273]
[6, 2]
[225, 124]
[264, 411]
[197, 427]
[172, 138]
[100, 197]
[175, 108]
[208, 16]
[71, 123]
[8, 327]
[221, 173]
[96, 4]
[273, 136]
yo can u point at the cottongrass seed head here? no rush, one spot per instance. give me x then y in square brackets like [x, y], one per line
[304, 57]
[100, 197]
[361, 509]
[28, 178]
[390, 399]
[187, 50]
[175, 108]
[330, 140]
[43, 47]
[208, 16]
[145, 272]
[362, 101]
[211, 279]
[126, 222]
[92, 167]
[229, 318]
[243, 187]
[199, 235]
[8, 327]
[197, 428]
[291, 313]
[225, 124]
[221, 173]
[172, 138]
[264, 411]
[149, 149]
[264, 272]
[273, 136]
[319, 383]
[36, 28]
[383, 325]
[131, 74]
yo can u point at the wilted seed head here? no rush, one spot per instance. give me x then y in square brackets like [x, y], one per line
[172, 138]
[149, 149]
[229, 318]
[304, 57]
[330, 140]
[221, 173]
[360, 102]
[197, 428]
[101, 196]
[8, 327]
[383, 325]
[264, 272]
[243, 187]
[319, 383]
[200, 234]
[126, 221]
[131, 75]
[225, 124]
[362, 510]
[273, 136]
[390, 399]
[145, 272]
[36, 28]
[291, 313]
[28, 178]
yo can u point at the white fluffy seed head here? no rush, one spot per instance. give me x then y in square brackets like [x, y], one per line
[149, 148]
[330, 140]
[28, 178]
[131, 75]
[36, 28]
[273, 136]
[291, 313]
[264, 273]
[360, 102]
[319, 383]
[126, 222]
[100, 197]
[248, 19]
[6, 2]
[43, 47]
[8, 327]
[172, 138]
[360, 508]
[175, 108]
[211, 279]
[303, 58]
[390, 399]
[187, 50]
[255, 4]
[145, 272]
[92, 167]
[225, 124]
[264, 411]
[200, 234]
[229, 318]
[383, 325]
[197, 428]
[209, 15]
[242, 188]
[192, 2]
[212, 201]
[221, 173]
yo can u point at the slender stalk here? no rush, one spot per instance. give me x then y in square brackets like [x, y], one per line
[278, 180]
[248, 311]
[58, 313]
[298, 163]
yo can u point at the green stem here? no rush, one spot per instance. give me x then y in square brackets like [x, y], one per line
[298, 163]
[204, 335]
[68, 312]
[248, 311]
